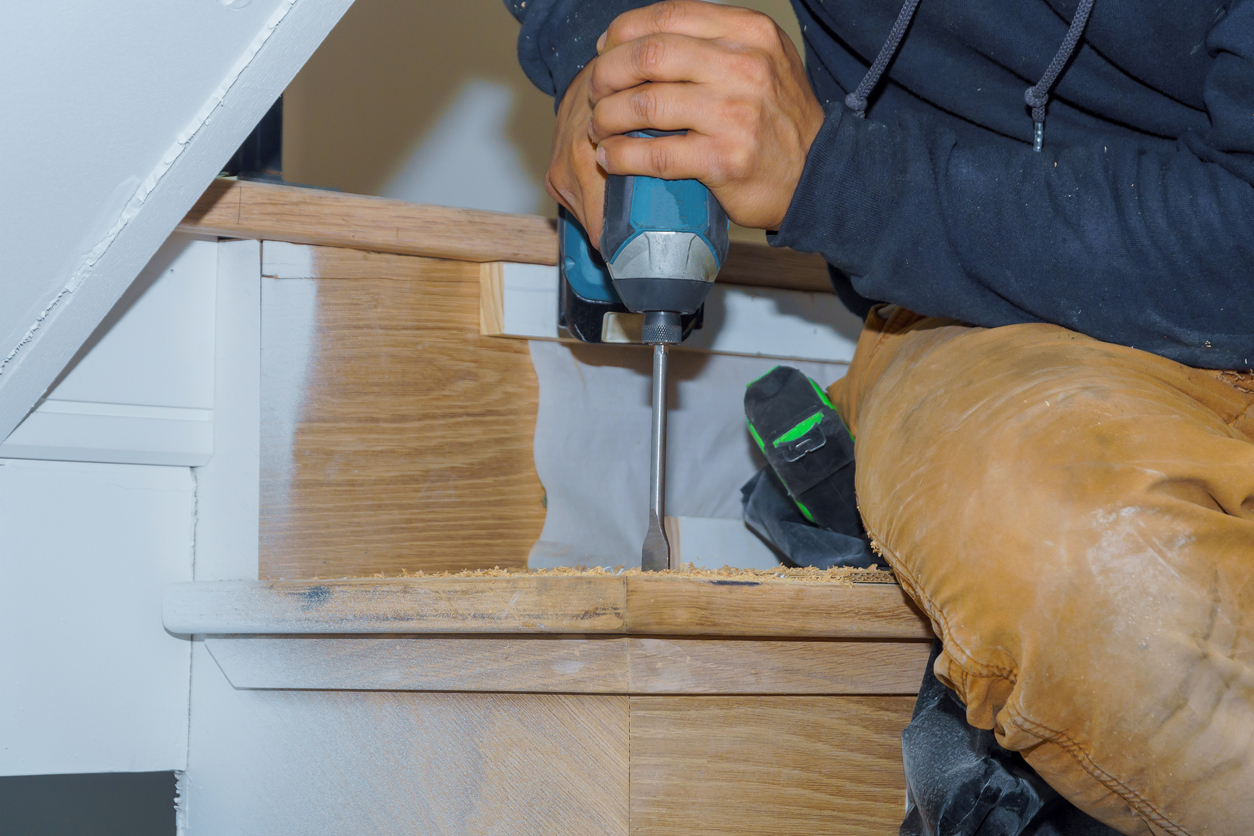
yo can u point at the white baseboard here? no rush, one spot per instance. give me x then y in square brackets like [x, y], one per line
[82, 431]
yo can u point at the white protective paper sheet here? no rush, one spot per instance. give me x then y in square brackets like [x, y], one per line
[592, 444]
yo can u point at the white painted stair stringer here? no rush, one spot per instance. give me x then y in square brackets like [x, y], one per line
[76, 301]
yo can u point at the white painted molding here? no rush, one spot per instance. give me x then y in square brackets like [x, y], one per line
[228, 488]
[124, 433]
[89, 288]
[758, 322]
[142, 391]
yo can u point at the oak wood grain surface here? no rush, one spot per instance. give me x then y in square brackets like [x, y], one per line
[265, 211]
[544, 603]
[411, 445]
[362, 762]
[240, 209]
[758, 265]
[522, 603]
[558, 665]
[706, 666]
[676, 605]
[787, 766]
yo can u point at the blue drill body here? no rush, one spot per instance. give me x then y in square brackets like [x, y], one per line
[663, 242]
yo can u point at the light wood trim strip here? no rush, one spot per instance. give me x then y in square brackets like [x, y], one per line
[495, 665]
[242, 209]
[635, 604]
[678, 606]
[570, 665]
[492, 299]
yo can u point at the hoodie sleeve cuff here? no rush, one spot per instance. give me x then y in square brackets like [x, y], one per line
[842, 201]
[558, 39]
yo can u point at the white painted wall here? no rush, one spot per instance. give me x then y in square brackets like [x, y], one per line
[424, 101]
[467, 158]
[91, 682]
[116, 117]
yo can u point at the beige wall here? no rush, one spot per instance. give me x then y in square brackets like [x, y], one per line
[384, 76]
[424, 100]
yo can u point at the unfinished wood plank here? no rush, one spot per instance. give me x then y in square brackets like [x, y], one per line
[675, 605]
[570, 664]
[566, 665]
[762, 266]
[397, 438]
[788, 766]
[702, 666]
[515, 604]
[264, 211]
[237, 209]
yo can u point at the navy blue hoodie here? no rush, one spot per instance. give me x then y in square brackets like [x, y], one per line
[1134, 224]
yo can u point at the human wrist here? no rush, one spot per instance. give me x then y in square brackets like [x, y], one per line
[842, 198]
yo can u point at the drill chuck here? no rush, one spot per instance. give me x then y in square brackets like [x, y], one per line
[661, 328]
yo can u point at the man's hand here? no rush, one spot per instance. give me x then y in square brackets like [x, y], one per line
[574, 179]
[727, 75]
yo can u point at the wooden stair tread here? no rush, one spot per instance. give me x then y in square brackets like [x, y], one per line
[540, 603]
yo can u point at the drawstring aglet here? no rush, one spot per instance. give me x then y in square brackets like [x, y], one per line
[1036, 101]
[1037, 96]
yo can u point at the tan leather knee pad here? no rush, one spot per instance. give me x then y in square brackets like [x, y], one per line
[1077, 519]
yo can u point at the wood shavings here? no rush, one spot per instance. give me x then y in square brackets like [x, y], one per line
[843, 576]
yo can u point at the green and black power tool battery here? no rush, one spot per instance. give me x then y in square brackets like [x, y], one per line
[807, 445]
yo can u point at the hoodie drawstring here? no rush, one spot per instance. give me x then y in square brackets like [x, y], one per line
[856, 101]
[1038, 94]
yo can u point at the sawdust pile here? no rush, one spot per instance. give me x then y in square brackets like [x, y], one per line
[841, 576]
